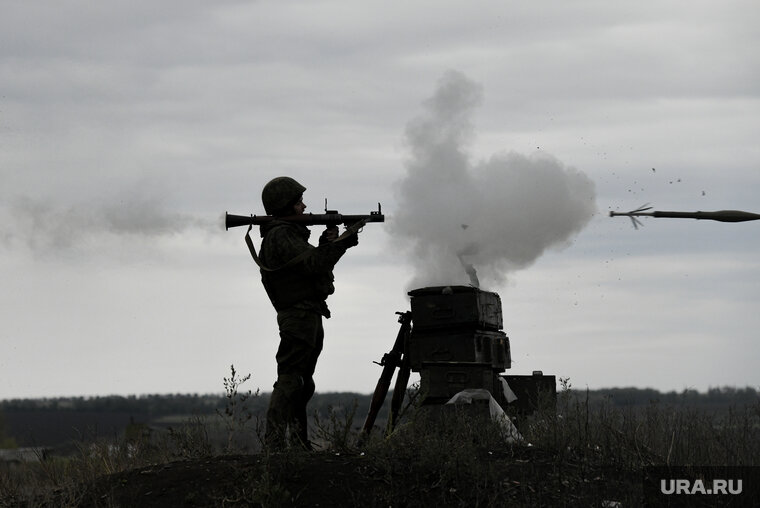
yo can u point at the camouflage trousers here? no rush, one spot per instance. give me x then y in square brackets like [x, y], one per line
[301, 340]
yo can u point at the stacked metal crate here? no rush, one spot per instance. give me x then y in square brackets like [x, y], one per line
[457, 341]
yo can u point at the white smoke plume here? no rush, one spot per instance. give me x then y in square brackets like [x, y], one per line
[498, 215]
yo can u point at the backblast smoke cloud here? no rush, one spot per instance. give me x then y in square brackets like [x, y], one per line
[497, 215]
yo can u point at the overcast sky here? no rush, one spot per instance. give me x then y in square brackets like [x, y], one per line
[128, 128]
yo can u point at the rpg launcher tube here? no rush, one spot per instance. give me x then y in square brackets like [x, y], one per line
[331, 218]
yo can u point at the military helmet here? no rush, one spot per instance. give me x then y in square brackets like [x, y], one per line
[281, 193]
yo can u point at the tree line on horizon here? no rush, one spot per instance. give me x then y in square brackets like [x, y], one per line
[178, 403]
[47, 421]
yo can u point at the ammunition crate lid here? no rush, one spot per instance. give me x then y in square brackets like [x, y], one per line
[444, 290]
[455, 307]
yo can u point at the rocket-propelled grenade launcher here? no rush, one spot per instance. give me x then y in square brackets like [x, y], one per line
[721, 215]
[329, 218]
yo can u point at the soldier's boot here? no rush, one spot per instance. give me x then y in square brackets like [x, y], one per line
[283, 407]
[302, 422]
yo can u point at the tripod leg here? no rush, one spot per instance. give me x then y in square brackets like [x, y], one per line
[399, 391]
[378, 397]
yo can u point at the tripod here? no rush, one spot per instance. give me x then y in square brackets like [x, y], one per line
[396, 358]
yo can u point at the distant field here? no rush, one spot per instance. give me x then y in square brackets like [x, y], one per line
[52, 422]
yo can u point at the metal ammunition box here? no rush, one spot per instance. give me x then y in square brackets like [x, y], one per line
[455, 307]
[465, 346]
[440, 382]
[533, 391]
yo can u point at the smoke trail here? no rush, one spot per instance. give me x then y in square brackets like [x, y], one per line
[48, 228]
[498, 215]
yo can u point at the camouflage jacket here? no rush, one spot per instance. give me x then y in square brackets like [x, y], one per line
[306, 283]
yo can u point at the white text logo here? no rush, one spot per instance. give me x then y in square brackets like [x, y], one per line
[698, 487]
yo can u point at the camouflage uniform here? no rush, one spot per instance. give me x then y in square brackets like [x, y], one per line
[299, 294]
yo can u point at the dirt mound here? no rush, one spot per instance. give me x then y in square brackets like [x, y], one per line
[520, 476]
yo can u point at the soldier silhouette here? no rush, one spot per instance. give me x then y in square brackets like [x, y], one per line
[298, 278]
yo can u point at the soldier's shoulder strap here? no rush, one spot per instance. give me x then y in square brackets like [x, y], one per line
[261, 265]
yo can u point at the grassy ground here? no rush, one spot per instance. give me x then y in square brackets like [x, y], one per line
[579, 454]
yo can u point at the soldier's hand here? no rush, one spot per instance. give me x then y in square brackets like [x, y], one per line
[351, 240]
[329, 235]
